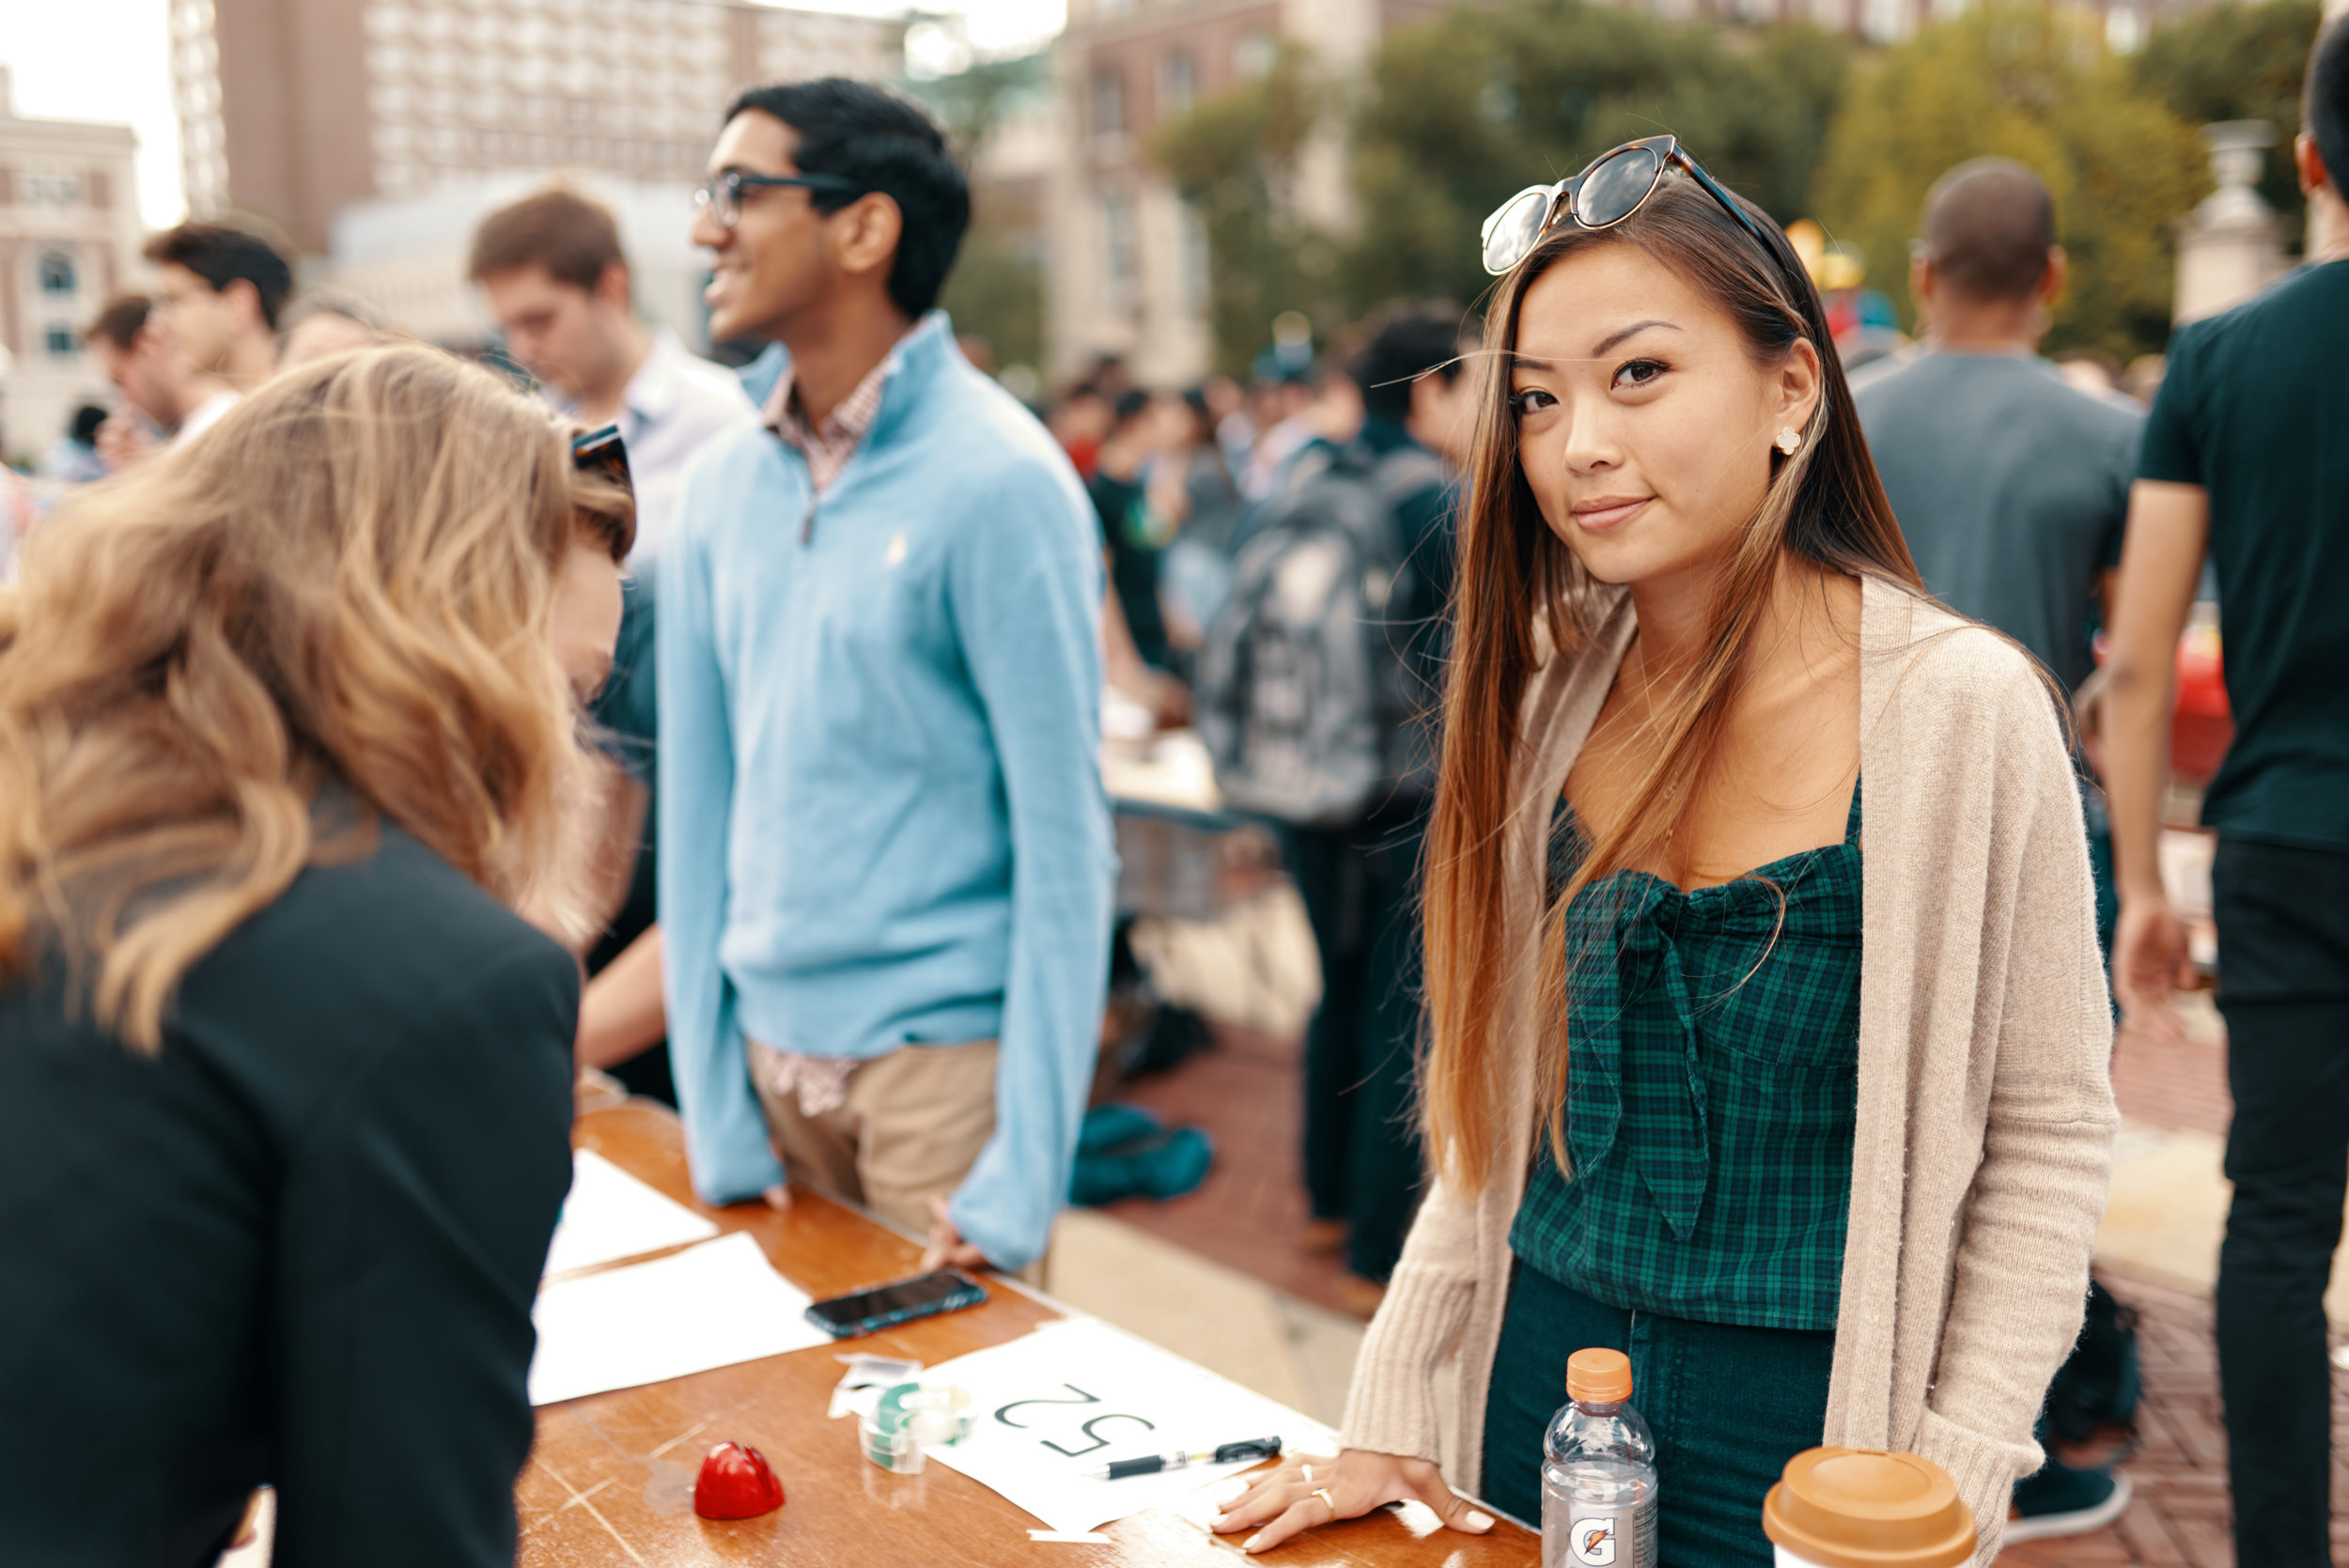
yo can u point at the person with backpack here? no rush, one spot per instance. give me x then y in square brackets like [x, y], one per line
[1314, 685]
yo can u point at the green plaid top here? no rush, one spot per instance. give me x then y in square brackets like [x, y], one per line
[1713, 1083]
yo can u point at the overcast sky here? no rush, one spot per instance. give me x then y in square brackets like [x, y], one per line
[111, 60]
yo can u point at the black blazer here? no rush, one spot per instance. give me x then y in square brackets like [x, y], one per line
[299, 1246]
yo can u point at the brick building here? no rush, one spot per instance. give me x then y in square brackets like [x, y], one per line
[1129, 265]
[69, 237]
[296, 111]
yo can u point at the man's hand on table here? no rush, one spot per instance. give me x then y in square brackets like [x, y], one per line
[947, 1250]
[1309, 1491]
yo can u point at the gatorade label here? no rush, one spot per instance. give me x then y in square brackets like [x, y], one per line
[1609, 1538]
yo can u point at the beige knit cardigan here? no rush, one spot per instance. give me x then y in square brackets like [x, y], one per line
[1986, 1114]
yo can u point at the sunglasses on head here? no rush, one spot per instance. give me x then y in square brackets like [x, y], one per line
[602, 453]
[1609, 189]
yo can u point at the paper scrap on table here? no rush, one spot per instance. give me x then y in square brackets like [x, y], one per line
[1078, 1394]
[860, 1388]
[708, 1306]
[610, 1215]
[1072, 1537]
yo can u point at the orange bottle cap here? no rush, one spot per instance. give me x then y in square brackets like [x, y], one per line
[1859, 1508]
[1600, 1376]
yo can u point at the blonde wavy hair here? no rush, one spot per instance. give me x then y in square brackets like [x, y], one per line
[345, 586]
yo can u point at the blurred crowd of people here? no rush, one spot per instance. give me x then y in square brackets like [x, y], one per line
[786, 726]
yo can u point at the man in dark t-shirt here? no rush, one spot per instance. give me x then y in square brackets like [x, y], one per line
[2247, 457]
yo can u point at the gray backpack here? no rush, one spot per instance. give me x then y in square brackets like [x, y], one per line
[1303, 697]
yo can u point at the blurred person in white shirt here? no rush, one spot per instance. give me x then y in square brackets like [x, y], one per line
[559, 288]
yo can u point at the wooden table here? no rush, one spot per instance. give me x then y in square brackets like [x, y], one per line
[611, 1480]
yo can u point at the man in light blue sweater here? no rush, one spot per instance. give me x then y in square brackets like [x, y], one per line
[885, 865]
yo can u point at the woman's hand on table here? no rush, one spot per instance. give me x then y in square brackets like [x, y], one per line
[1310, 1491]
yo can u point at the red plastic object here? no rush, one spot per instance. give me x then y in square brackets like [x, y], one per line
[735, 1483]
[2201, 727]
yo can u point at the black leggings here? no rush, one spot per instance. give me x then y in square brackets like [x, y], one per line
[2283, 964]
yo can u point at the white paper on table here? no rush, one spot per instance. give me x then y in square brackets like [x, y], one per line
[1078, 1394]
[708, 1306]
[610, 1215]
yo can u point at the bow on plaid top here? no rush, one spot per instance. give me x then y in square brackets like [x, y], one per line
[1712, 1089]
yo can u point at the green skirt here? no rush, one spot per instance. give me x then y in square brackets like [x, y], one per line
[1729, 1406]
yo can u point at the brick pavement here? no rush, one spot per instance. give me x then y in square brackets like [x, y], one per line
[1251, 1212]
[2180, 1083]
[2179, 1518]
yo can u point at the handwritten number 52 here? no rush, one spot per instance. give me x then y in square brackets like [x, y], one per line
[1004, 1415]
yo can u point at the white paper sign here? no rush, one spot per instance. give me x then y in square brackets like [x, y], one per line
[708, 1306]
[1074, 1395]
[610, 1215]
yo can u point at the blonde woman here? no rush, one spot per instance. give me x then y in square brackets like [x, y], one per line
[1768, 1034]
[287, 724]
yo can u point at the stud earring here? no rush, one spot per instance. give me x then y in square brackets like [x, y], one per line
[1789, 442]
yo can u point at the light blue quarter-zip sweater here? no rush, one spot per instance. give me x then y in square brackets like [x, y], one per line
[882, 814]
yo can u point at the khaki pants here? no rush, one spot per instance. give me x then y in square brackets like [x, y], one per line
[915, 1122]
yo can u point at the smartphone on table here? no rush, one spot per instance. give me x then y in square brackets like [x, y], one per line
[868, 1311]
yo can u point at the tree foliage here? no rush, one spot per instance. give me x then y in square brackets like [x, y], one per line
[2239, 62]
[996, 292]
[2038, 86]
[1235, 158]
[973, 101]
[996, 289]
[1462, 110]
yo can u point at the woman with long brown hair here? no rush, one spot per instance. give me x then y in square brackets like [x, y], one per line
[1767, 1032]
[289, 723]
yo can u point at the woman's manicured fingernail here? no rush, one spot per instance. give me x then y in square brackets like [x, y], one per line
[1479, 1521]
[1250, 1544]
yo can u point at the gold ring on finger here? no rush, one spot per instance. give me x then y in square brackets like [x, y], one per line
[1323, 1493]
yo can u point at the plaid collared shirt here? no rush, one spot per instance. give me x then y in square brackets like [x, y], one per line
[1713, 1086]
[827, 446]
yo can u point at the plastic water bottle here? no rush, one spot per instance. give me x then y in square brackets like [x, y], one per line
[1598, 1475]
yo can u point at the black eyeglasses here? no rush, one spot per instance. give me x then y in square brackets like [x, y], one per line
[604, 454]
[1612, 187]
[721, 197]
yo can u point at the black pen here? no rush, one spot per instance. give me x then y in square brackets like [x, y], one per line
[1255, 1448]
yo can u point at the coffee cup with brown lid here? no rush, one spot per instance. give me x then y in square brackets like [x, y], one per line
[1860, 1508]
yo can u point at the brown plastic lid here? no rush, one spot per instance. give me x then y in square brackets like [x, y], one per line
[1859, 1508]
[1601, 1376]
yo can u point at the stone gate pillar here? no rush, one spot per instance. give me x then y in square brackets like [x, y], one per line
[2231, 246]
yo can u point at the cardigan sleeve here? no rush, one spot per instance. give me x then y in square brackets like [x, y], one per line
[2020, 1274]
[1390, 1407]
